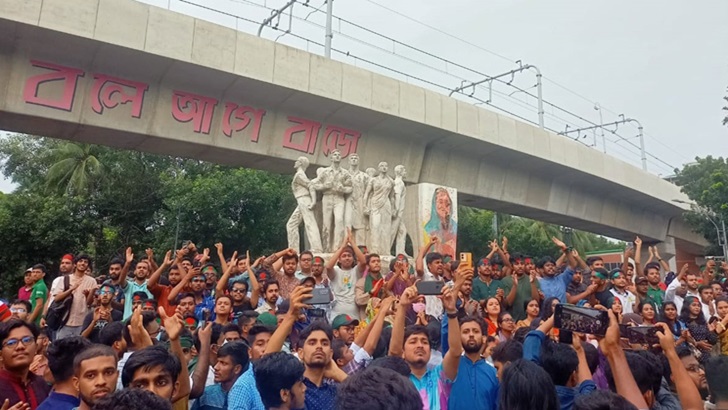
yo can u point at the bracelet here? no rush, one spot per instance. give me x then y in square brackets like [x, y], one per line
[452, 315]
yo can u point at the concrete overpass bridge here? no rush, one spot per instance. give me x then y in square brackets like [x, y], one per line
[133, 76]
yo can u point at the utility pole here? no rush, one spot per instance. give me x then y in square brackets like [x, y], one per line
[329, 31]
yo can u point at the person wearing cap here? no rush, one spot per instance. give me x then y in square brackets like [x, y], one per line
[641, 284]
[602, 295]
[25, 291]
[343, 326]
[619, 290]
[343, 271]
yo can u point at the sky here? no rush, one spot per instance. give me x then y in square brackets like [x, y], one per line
[660, 62]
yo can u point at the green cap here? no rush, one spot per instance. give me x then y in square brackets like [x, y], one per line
[267, 319]
[343, 320]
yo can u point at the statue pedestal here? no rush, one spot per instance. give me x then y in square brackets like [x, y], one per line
[431, 210]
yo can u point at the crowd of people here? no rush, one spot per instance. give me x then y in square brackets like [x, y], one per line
[295, 331]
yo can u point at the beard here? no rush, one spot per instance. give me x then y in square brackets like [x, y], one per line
[472, 348]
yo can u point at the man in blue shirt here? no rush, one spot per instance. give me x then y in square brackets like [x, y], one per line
[566, 364]
[551, 284]
[60, 362]
[476, 386]
[232, 362]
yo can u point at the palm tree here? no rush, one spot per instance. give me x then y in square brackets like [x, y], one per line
[76, 171]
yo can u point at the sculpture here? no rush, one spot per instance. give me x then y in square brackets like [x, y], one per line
[354, 214]
[306, 198]
[379, 209]
[335, 183]
[399, 231]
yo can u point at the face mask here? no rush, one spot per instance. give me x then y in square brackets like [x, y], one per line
[418, 307]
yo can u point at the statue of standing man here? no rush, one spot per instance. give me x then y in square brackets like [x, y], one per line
[335, 183]
[354, 215]
[306, 198]
[399, 232]
[381, 189]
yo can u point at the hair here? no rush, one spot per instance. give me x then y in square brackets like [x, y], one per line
[646, 369]
[365, 391]
[416, 330]
[526, 386]
[256, 330]
[12, 324]
[275, 372]
[685, 312]
[543, 261]
[148, 358]
[560, 362]
[307, 252]
[116, 261]
[112, 332]
[527, 302]
[288, 257]
[546, 309]
[92, 352]
[590, 260]
[508, 351]
[338, 346]
[83, 256]
[185, 295]
[314, 326]
[373, 255]
[395, 363]
[715, 370]
[701, 288]
[239, 282]
[230, 327]
[602, 400]
[592, 356]
[432, 257]
[61, 354]
[672, 324]
[651, 265]
[477, 319]
[25, 303]
[520, 334]
[269, 283]
[238, 352]
[132, 399]
[41, 267]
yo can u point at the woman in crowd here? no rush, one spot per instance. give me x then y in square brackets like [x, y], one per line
[721, 306]
[506, 327]
[532, 311]
[492, 312]
[700, 335]
[648, 312]
[669, 315]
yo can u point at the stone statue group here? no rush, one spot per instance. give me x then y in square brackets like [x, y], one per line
[370, 204]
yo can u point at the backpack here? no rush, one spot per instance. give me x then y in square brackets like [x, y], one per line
[59, 312]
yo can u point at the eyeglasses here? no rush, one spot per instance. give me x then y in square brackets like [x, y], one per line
[104, 292]
[508, 319]
[198, 280]
[25, 340]
[18, 310]
[238, 291]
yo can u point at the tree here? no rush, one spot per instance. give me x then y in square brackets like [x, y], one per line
[705, 182]
[725, 119]
[76, 171]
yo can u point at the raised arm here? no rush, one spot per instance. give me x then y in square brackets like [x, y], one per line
[278, 338]
[199, 377]
[150, 258]
[582, 373]
[221, 256]
[637, 254]
[173, 326]
[331, 263]
[154, 279]
[374, 329]
[451, 360]
[125, 269]
[623, 378]
[686, 391]
[360, 258]
[628, 253]
[221, 286]
[663, 264]
[191, 273]
[420, 259]
[511, 296]
[254, 285]
[574, 299]
[396, 344]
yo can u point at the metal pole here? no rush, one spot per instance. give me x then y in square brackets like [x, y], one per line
[329, 31]
[725, 240]
[539, 89]
[601, 123]
[642, 149]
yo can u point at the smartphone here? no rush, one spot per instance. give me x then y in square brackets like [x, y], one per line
[644, 335]
[624, 330]
[466, 259]
[430, 287]
[581, 319]
[566, 337]
[321, 296]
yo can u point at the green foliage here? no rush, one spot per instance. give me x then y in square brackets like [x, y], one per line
[706, 183]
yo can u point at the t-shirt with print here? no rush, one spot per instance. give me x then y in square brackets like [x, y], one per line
[131, 287]
[342, 286]
[94, 335]
[39, 291]
[434, 388]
